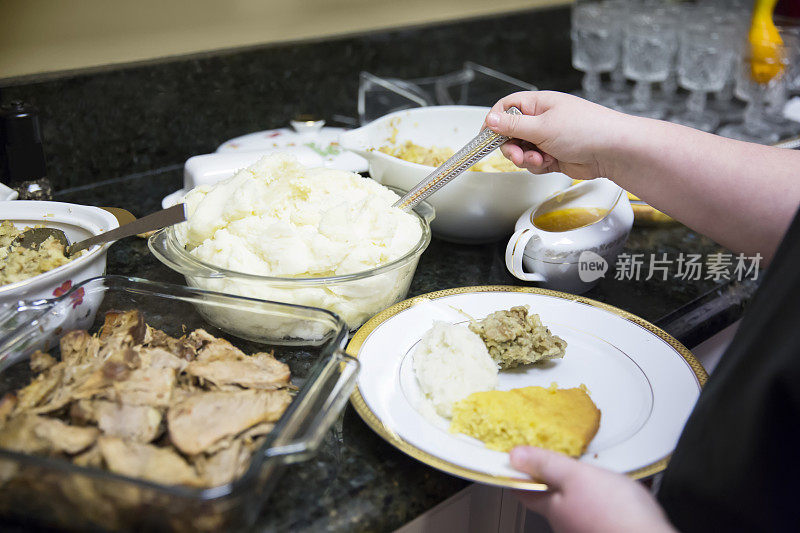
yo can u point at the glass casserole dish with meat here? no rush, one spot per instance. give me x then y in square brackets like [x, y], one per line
[123, 408]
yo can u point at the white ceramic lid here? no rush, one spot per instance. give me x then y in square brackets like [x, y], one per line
[314, 147]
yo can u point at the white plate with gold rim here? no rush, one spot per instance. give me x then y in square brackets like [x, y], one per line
[644, 382]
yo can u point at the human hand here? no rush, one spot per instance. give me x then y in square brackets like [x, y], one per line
[585, 498]
[557, 132]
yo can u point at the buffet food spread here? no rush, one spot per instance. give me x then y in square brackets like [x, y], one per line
[191, 410]
[109, 391]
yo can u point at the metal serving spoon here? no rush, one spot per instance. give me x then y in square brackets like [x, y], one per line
[34, 237]
[479, 147]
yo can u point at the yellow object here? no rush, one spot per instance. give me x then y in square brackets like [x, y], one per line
[569, 218]
[563, 420]
[766, 45]
[643, 214]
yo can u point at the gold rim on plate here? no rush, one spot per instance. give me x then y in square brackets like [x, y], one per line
[354, 346]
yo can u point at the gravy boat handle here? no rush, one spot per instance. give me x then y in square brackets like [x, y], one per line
[515, 250]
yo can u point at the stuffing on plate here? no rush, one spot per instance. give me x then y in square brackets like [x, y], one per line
[517, 337]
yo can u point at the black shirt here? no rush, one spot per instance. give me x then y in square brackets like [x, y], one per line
[737, 464]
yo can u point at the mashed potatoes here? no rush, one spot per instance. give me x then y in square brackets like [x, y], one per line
[278, 218]
[450, 363]
[435, 156]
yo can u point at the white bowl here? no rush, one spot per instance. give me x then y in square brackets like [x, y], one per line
[78, 222]
[476, 207]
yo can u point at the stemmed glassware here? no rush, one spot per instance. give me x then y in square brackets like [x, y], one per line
[649, 44]
[617, 90]
[733, 16]
[778, 93]
[595, 46]
[791, 39]
[756, 126]
[695, 45]
[678, 14]
[705, 61]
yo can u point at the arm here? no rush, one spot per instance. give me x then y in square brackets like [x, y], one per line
[741, 195]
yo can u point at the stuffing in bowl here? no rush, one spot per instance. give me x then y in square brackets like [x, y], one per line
[479, 206]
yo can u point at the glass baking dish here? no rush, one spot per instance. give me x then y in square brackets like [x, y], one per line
[57, 492]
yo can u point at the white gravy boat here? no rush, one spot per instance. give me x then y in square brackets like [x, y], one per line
[572, 260]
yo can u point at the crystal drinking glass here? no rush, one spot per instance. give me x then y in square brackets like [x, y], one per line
[791, 39]
[756, 126]
[648, 46]
[778, 92]
[595, 46]
[705, 61]
[679, 15]
[617, 92]
[734, 16]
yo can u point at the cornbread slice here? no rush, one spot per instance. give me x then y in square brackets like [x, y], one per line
[563, 420]
[517, 337]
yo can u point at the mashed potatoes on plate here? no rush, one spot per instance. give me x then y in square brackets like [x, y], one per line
[451, 362]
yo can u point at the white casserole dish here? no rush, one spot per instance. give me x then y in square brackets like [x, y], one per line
[476, 207]
[78, 222]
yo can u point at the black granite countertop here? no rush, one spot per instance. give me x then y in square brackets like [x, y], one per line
[128, 121]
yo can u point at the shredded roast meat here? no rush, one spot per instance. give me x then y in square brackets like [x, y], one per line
[204, 418]
[258, 371]
[39, 434]
[140, 423]
[145, 461]
[138, 402]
